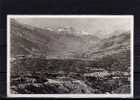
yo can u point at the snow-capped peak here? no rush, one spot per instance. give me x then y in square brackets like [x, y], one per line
[85, 33]
[60, 29]
[49, 28]
[68, 29]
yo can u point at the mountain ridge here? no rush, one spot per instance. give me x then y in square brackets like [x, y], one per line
[32, 40]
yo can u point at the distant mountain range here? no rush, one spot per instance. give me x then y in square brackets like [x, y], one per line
[65, 42]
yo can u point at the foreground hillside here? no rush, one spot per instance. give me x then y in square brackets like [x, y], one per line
[38, 75]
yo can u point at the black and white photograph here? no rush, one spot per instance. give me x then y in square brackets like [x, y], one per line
[70, 56]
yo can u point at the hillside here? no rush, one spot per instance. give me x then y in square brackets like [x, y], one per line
[26, 40]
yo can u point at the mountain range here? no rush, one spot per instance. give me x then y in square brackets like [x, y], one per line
[65, 42]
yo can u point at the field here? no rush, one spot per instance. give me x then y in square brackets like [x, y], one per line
[50, 76]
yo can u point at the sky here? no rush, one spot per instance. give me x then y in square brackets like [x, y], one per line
[90, 25]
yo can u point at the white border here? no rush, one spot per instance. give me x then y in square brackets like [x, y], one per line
[71, 95]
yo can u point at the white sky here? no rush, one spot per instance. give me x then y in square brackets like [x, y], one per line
[90, 25]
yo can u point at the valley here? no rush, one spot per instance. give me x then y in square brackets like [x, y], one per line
[47, 61]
